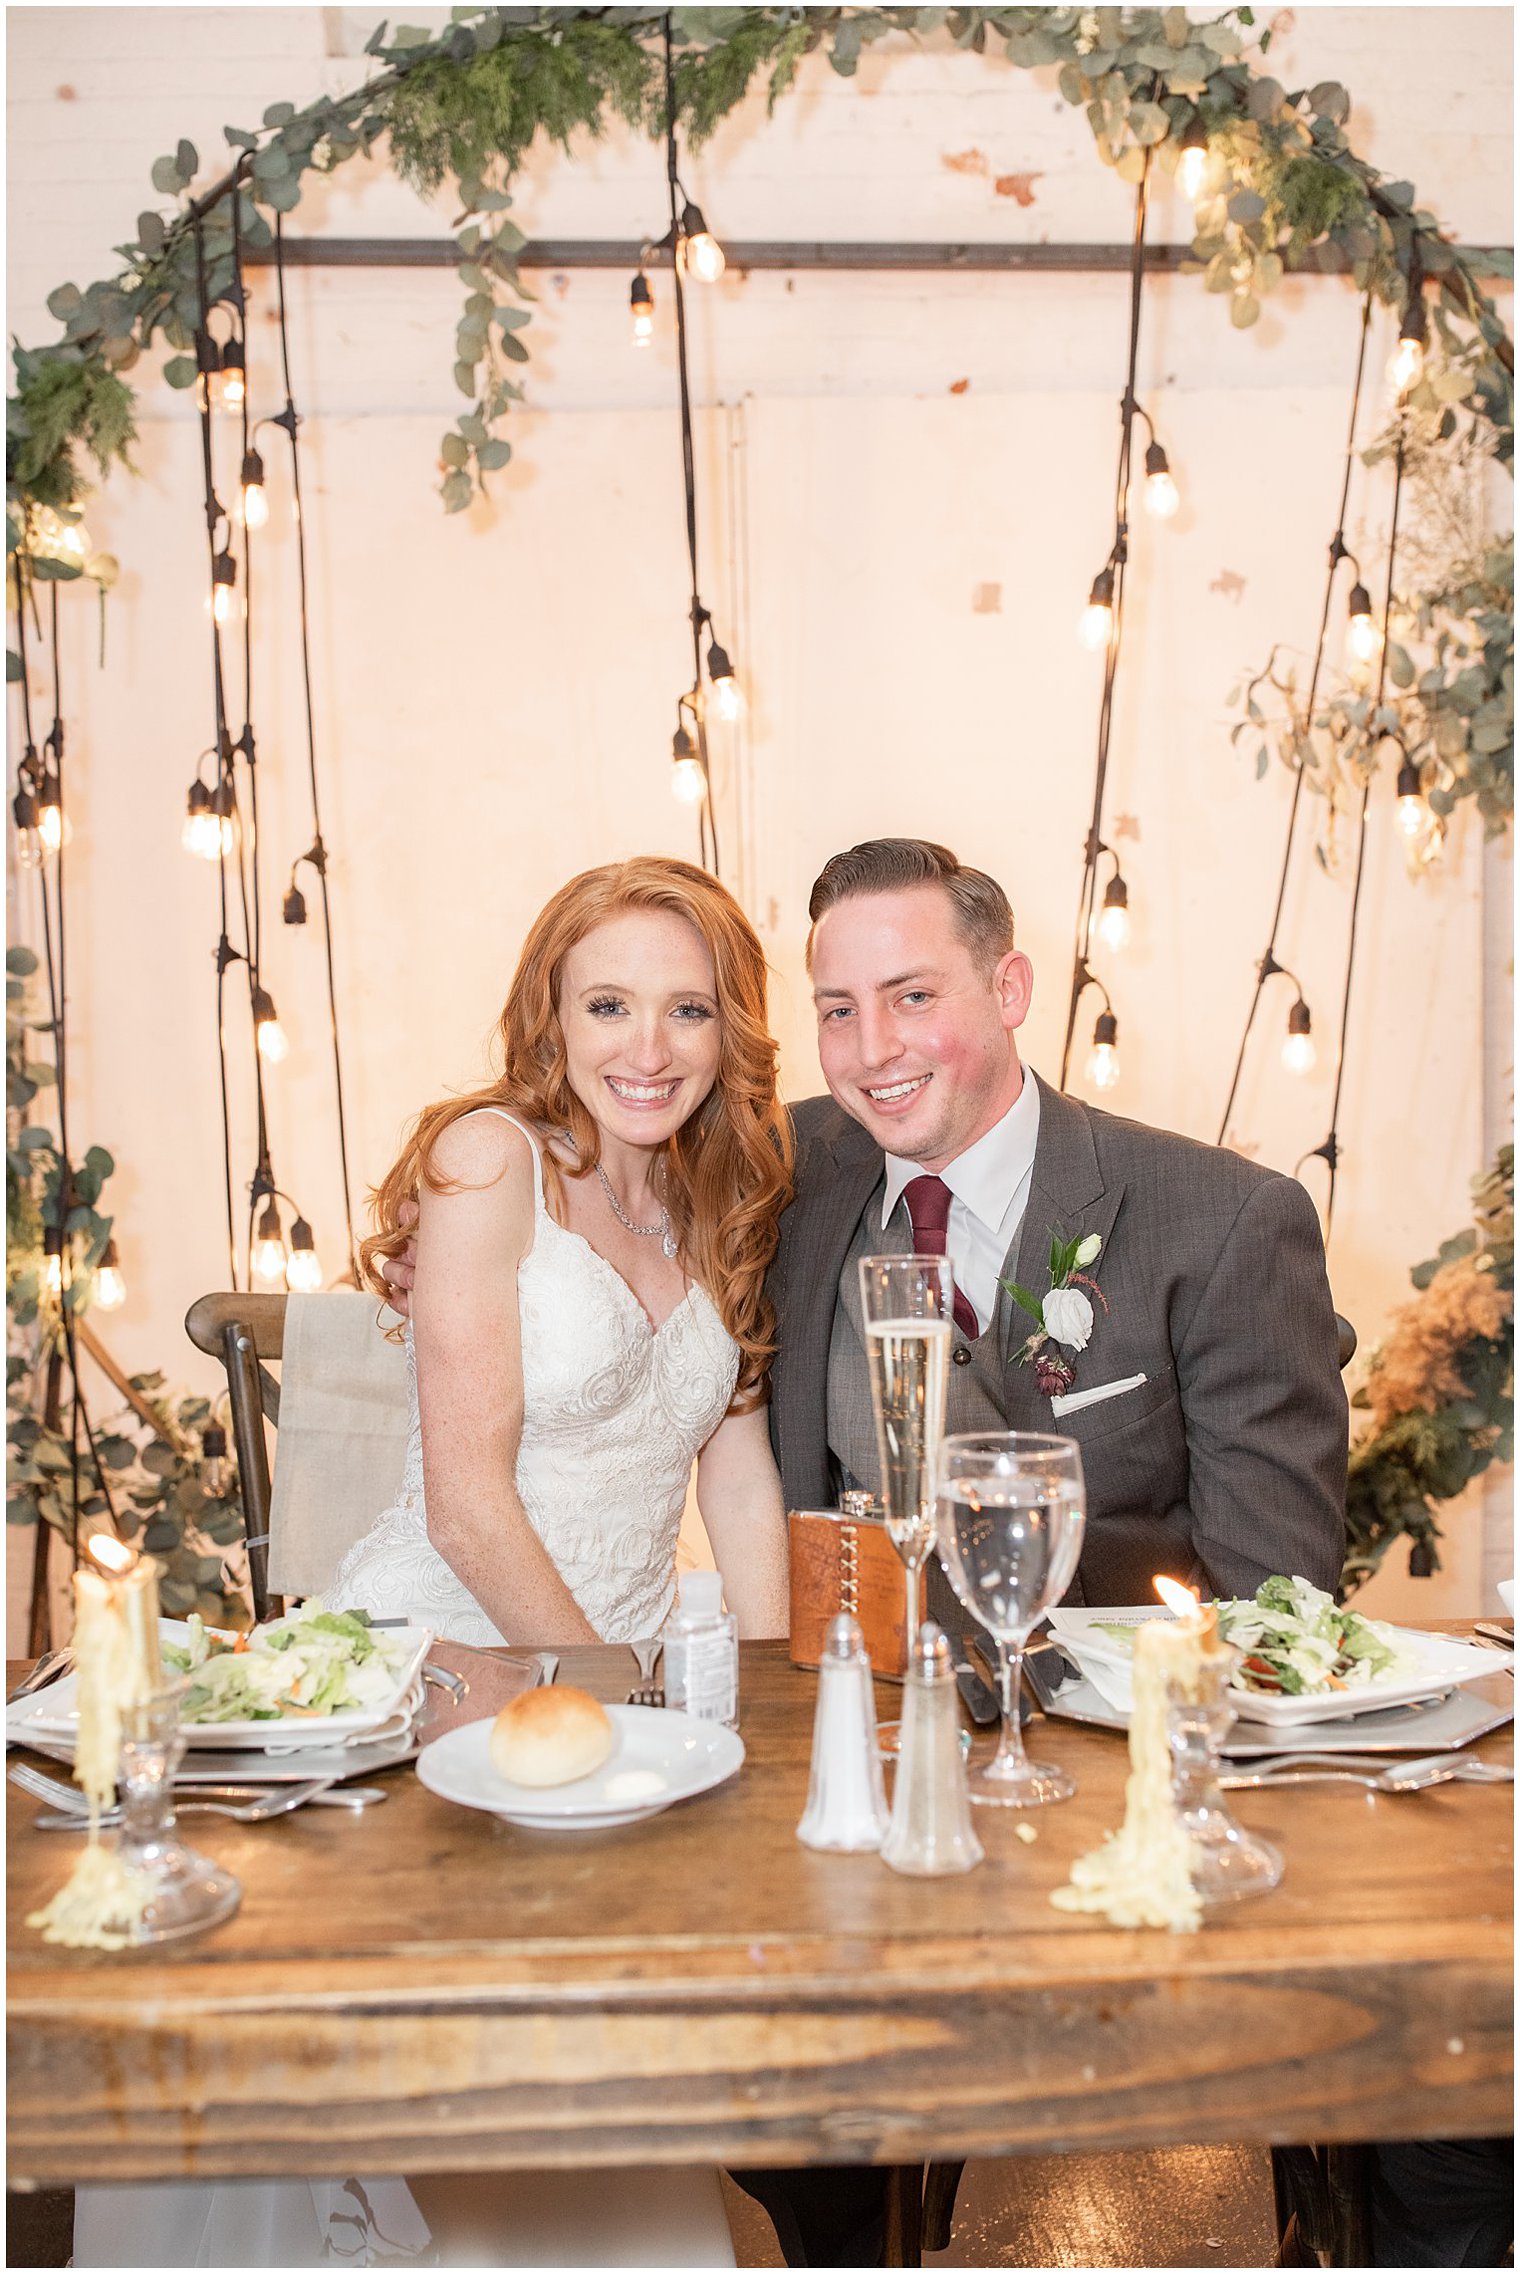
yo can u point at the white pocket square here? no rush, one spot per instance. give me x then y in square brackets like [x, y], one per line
[1080, 1398]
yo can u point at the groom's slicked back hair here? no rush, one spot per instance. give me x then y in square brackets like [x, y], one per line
[983, 916]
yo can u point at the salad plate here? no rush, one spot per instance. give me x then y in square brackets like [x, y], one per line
[658, 1757]
[1419, 1667]
[356, 1688]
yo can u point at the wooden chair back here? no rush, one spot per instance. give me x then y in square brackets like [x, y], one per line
[244, 1331]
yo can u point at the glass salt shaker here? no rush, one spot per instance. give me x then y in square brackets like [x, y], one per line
[847, 1802]
[931, 1831]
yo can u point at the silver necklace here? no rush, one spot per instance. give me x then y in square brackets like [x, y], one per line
[661, 1231]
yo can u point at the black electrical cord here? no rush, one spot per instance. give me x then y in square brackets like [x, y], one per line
[1338, 553]
[1081, 976]
[699, 615]
[290, 421]
[1329, 1151]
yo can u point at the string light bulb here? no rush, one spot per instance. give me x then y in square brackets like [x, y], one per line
[207, 829]
[1113, 918]
[52, 1260]
[223, 588]
[253, 498]
[1193, 160]
[1298, 1051]
[727, 693]
[1161, 496]
[234, 386]
[701, 253]
[1103, 1058]
[1098, 616]
[688, 779]
[54, 829]
[1409, 792]
[268, 1032]
[214, 1465]
[28, 819]
[1406, 365]
[641, 310]
[303, 1268]
[110, 1286]
[269, 1247]
[1364, 636]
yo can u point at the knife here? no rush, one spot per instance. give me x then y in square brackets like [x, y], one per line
[981, 1703]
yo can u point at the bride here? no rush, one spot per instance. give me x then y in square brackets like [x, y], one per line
[588, 1313]
[588, 1316]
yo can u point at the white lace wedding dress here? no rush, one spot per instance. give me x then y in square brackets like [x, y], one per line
[614, 1414]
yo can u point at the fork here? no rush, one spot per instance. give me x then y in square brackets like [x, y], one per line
[67, 1800]
[49, 1666]
[648, 1692]
[1409, 1776]
[280, 1802]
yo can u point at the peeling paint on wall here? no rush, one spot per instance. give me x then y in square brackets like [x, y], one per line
[986, 600]
[959, 386]
[1020, 187]
[965, 162]
[1231, 585]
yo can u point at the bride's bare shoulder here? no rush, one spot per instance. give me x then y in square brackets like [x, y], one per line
[483, 1149]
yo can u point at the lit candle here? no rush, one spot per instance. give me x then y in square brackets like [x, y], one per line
[117, 1665]
[1142, 1876]
[134, 1579]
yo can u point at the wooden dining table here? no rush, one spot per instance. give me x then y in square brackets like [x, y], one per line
[424, 1987]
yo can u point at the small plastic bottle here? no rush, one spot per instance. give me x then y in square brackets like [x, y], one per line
[702, 1651]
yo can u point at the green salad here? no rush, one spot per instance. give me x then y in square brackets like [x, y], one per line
[311, 1662]
[1296, 1641]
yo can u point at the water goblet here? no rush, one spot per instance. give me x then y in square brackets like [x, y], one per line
[906, 1304]
[1012, 1511]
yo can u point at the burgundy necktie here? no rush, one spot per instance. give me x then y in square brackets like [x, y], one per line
[928, 1199]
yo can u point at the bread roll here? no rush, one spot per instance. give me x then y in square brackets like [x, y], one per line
[550, 1737]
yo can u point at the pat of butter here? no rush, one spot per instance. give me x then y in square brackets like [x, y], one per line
[633, 1784]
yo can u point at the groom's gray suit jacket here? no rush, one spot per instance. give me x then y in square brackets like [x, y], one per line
[1226, 1464]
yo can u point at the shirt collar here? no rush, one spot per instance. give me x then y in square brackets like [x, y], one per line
[987, 1177]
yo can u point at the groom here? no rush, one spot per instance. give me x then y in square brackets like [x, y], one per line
[1198, 1368]
[1195, 1363]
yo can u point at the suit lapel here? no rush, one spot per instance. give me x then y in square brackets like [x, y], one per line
[1067, 1194]
[826, 1236]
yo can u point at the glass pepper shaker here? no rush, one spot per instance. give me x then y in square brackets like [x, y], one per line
[931, 1831]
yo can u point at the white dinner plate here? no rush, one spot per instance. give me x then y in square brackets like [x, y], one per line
[658, 1757]
[52, 1713]
[1441, 1665]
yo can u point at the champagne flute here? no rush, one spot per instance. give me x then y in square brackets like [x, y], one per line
[1012, 1511]
[906, 1302]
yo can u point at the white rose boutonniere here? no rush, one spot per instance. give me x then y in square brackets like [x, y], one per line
[1064, 1317]
[1068, 1317]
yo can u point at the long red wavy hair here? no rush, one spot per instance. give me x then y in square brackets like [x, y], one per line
[728, 1167]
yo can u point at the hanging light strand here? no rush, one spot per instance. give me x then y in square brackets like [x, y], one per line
[1338, 553]
[1114, 572]
[700, 618]
[289, 420]
[1329, 1151]
[56, 1239]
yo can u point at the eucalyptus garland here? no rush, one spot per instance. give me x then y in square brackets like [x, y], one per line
[1440, 1388]
[465, 107]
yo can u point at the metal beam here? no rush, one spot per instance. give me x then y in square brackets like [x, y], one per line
[899, 257]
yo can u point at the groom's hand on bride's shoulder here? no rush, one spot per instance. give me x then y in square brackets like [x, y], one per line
[399, 1271]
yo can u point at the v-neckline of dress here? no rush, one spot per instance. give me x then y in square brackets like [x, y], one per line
[616, 1276]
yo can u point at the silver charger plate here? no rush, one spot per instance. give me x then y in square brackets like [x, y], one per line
[340, 1762]
[1440, 1725]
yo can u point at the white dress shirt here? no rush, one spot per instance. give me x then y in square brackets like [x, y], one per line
[989, 1191]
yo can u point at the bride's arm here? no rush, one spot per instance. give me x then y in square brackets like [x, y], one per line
[739, 1494]
[468, 1343]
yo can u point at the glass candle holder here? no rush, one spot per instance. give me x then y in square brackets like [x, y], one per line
[1230, 1861]
[187, 1891]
